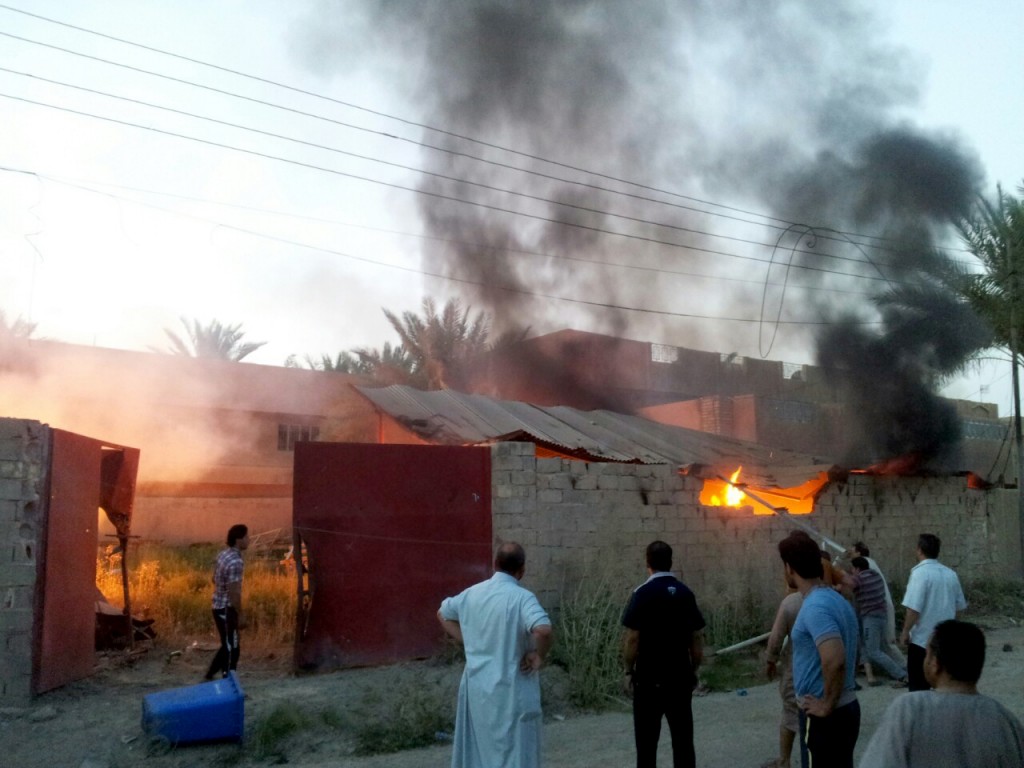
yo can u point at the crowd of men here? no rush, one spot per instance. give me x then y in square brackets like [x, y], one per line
[834, 619]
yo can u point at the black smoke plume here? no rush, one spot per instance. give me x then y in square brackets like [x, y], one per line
[787, 107]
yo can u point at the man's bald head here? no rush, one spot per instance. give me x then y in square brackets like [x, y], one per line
[510, 558]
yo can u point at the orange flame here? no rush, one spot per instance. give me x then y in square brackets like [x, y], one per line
[798, 500]
[733, 495]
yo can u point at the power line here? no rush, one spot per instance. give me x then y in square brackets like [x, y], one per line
[423, 126]
[823, 232]
[428, 193]
[451, 278]
[458, 180]
[80, 184]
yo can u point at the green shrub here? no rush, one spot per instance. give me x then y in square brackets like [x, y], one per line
[589, 642]
[415, 713]
[269, 733]
[995, 597]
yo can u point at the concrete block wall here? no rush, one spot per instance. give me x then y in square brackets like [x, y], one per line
[24, 458]
[593, 520]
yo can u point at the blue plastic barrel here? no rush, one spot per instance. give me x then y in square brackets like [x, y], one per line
[212, 711]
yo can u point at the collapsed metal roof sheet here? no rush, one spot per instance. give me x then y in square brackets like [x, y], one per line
[454, 418]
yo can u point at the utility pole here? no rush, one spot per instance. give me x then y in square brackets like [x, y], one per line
[1017, 433]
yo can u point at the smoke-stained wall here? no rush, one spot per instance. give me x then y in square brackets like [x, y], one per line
[586, 520]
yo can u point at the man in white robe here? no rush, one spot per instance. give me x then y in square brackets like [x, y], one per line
[506, 635]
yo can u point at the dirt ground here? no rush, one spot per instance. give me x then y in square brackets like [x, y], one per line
[95, 723]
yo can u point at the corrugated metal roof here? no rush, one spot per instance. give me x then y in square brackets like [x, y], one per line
[455, 418]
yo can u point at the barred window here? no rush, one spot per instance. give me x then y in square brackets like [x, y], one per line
[792, 371]
[792, 411]
[984, 430]
[290, 434]
[663, 353]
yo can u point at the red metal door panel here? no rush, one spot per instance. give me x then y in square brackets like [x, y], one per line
[390, 530]
[66, 635]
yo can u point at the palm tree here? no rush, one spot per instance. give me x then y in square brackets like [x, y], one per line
[439, 344]
[19, 329]
[994, 234]
[212, 341]
[388, 365]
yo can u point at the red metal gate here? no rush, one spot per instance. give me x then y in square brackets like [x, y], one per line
[389, 531]
[83, 475]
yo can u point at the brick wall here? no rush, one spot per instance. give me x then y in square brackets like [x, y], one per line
[24, 457]
[592, 520]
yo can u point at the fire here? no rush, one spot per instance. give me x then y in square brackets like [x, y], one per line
[733, 496]
[798, 500]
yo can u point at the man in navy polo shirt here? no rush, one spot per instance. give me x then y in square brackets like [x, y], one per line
[663, 648]
[824, 659]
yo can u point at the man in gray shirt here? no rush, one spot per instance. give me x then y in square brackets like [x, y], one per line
[952, 724]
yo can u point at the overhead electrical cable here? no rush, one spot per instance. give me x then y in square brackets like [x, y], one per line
[453, 278]
[91, 185]
[96, 186]
[445, 177]
[428, 193]
[423, 126]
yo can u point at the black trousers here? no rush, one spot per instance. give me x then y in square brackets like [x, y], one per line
[916, 680]
[828, 742]
[673, 702]
[226, 659]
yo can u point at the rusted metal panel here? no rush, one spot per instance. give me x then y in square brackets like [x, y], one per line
[84, 475]
[389, 531]
[454, 418]
[67, 564]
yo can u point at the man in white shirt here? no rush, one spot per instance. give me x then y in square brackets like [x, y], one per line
[952, 724]
[933, 595]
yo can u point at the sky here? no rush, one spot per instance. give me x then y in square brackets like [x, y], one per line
[300, 212]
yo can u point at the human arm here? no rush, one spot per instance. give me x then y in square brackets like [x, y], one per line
[696, 650]
[543, 638]
[909, 620]
[451, 627]
[832, 654]
[775, 640]
[630, 650]
[235, 601]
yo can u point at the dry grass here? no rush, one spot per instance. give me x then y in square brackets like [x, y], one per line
[173, 586]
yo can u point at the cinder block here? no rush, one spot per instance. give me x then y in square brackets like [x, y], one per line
[558, 481]
[549, 496]
[513, 463]
[12, 446]
[549, 466]
[8, 513]
[17, 574]
[11, 488]
[526, 477]
[629, 483]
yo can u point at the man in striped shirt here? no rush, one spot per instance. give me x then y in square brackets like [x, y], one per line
[869, 593]
[227, 601]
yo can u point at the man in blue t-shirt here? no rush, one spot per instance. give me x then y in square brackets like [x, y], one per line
[824, 659]
[663, 647]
